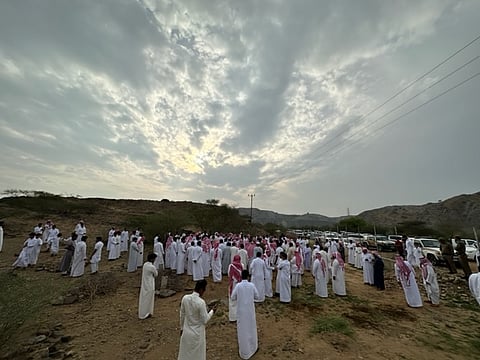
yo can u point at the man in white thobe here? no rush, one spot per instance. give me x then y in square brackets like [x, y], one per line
[338, 275]
[124, 241]
[351, 252]
[320, 273]
[406, 276]
[96, 255]
[245, 293]
[158, 250]
[283, 283]
[1, 236]
[258, 270]
[367, 264]
[243, 256]
[474, 285]
[430, 281]
[180, 257]
[410, 248]
[79, 257]
[80, 229]
[193, 318]
[197, 268]
[146, 299]
[133, 256]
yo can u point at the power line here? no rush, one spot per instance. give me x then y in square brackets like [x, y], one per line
[408, 112]
[406, 101]
[404, 89]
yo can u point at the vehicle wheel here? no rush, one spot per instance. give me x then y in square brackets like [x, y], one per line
[432, 259]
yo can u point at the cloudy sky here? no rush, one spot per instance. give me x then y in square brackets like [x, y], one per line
[199, 99]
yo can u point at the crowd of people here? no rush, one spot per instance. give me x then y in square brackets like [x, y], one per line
[256, 267]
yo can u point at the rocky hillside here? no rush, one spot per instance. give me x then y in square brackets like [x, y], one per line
[289, 221]
[457, 213]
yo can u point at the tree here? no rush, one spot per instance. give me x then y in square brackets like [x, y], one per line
[352, 223]
[212, 201]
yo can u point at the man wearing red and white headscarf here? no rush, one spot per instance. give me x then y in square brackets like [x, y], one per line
[320, 273]
[234, 277]
[406, 276]
[338, 275]
[430, 281]
[216, 261]
[296, 268]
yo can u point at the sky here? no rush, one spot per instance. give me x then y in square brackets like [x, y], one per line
[198, 99]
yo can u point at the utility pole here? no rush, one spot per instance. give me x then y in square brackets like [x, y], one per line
[251, 207]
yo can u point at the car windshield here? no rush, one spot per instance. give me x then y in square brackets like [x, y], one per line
[431, 243]
[381, 238]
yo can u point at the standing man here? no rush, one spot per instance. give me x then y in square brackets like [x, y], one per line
[410, 248]
[378, 271]
[96, 255]
[447, 252]
[462, 257]
[193, 318]
[79, 257]
[258, 270]
[1, 235]
[320, 273]
[147, 291]
[80, 229]
[406, 276]
[283, 283]
[367, 263]
[246, 293]
[133, 256]
[338, 275]
[430, 281]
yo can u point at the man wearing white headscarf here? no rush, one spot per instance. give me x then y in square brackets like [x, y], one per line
[406, 276]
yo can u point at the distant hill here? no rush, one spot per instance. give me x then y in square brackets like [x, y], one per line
[289, 221]
[460, 212]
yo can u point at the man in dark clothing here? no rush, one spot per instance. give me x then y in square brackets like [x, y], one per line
[462, 257]
[378, 275]
[447, 253]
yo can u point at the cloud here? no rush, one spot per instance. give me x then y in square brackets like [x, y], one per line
[200, 99]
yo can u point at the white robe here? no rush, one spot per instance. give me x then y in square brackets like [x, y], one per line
[96, 257]
[243, 257]
[338, 279]
[474, 284]
[258, 270]
[245, 293]
[193, 318]
[197, 269]
[431, 285]
[146, 299]
[158, 250]
[23, 258]
[172, 250]
[232, 304]
[268, 279]
[132, 257]
[296, 272]
[37, 249]
[410, 251]
[351, 253]
[79, 257]
[181, 258]
[124, 241]
[114, 248]
[410, 287]
[367, 264]
[358, 257]
[283, 281]
[321, 278]
[140, 254]
[216, 265]
[189, 260]
[1, 238]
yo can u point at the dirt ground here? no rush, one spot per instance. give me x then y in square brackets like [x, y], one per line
[107, 327]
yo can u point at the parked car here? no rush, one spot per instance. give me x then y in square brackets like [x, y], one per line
[470, 248]
[430, 249]
[384, 243]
